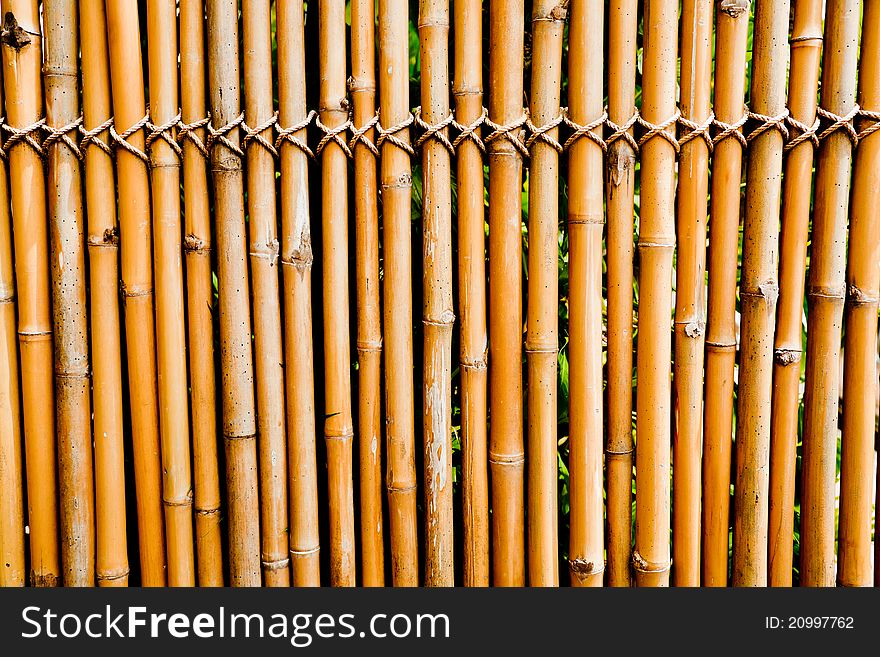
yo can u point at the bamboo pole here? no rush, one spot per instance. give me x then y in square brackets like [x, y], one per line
[338, 430]
[620, 162]
[200, 296]
[758, 293]
[468, 94]
[438, 315]
[168, 264]
[22, 43]
[506, 457]
[362, 86]
[806, 49]
[103, 246]
[651, 558]
[585, 223]
[236, 357]
[11, 477]
[264, 248]
[690, 288]
[825, 296]
[123, 36]
[396, 183]
[860, 350]
[296, 257]
[542, 342]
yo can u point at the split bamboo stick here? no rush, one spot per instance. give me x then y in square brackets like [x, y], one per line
[731, 36]
[758, 293]
[296, 257]
[362, 86]
[506, 457]
[338, 429]
[69, 311]
[621, 161]
[236, 357]
[468, 93]
[542, 341]
[22, 44]
[438, 315]
[264, 248]
[12, 572]
[651, 557]
[690, 288]
[860, 350]
[112, 565]
[396, 182]
[127, 86]
[200, 295]
[806, 49]
[825, 296]
[586, 220]
[168, 264]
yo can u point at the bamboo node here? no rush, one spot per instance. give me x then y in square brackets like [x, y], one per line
[697, 131]
[642, 565]
[213, 511]
[186, 501]
[55, 135]
[660, 130]
[474, 364]
[122, 139]
[695, 329]
[390, 135]
[766, 123]
[582, 568]
[873, 127]
[218, 135]
[433, 131]
[507, 459]
[767, 292]
[839, 123]
[731, 130]
[857, 297]
[587, 130]
[92, 137]
[289, 135]
[112, 575]
[306, 552]
[193, 244]
[540, 133]
[272, 248]
[13, 34]
[23, 136]
[806, 133]
[786, 357]
[360, 135]
[512, 132]
[333, 134]
[471, 131]
[188, 131]
[276, 564]
[165, 132]
[734, 8]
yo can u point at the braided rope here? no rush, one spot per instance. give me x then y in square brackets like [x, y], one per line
[165, 133]
[333, 134]
[839, 123]
[469, 131]
[586, 130]
[511, 132]
[218, 135]
[92, 137]
[697, 131]
[434, 131]
[56, 135]
[24, 136]
[768, 123]
[539, 133]
[804, 133]
[122, 139]
[256, 134]
[390, 135]
[660, 130]
[289, 135]
[360, 135]
[188, 131]
[731, 129]
[623, 131]
[873, 127]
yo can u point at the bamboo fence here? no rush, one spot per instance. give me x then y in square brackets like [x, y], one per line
[652, 241]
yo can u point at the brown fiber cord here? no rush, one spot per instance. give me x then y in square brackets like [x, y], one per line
[511, 132]
[218, 135]
[390, 135]
[60, 135]
[587, 130]
[122, 139]
[256, 134]
[289, 135]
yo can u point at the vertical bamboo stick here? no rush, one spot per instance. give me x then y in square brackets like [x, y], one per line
[200, 296]
[806, 48]
[542, 342]
[123, 36]
[860, 350]
[103, 245]
[758, 293]
[338, 430]
[468, 93]
[12, 567]
[239, 422]
[168, 263]
[731, 36]
[585, 223]
[22, 43]
[621, 160]
[362, 85]
[651, 558]
[264, 249]
[396, 181]
[438, 313]
[690, 288]
[506, 457]
[825, 297]
[296, 257]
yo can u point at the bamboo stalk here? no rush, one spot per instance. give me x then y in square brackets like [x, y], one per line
[758, 293]
[264, 247]
[362, 86]
[200, 297]
[396, 183]
[296, 257]
[542, 342]
[506, 457]
[103, 246]
[21, 43]
[168, 263]
[690, 289]
[860, 350]
[438, 315]
[236, 357]
[825, 297]
[621, 161]
[11, 479]
[468, 93]
[586, 220]
[338, 430]
[651, 558]
[806, 49]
